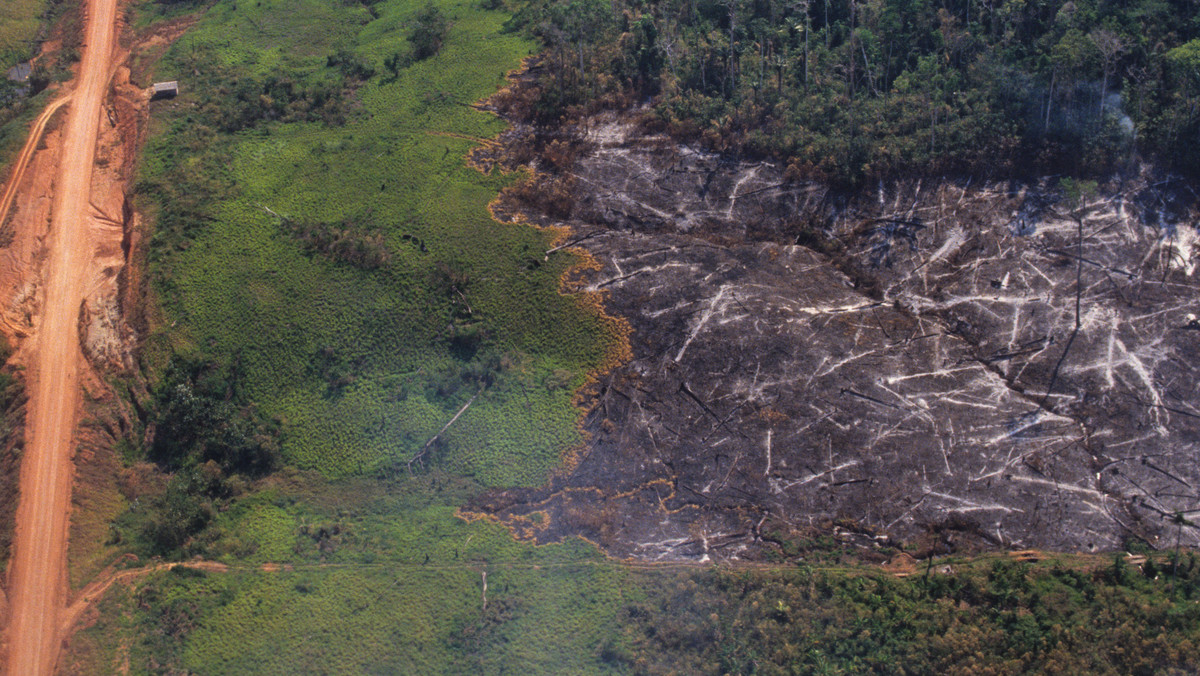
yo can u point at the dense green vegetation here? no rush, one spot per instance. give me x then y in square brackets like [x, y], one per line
[555, 610]
[328, 292]
[1001, 617]
[853, 89]
[373, 577]
[20, 24]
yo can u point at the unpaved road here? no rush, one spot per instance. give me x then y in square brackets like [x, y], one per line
[37, 581]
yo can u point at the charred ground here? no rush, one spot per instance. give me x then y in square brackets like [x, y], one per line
[944, 363]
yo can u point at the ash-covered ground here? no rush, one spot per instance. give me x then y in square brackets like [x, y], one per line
[982, 365]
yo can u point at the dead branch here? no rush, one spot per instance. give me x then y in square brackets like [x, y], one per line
[869, 398]
[573, 242]
[1078, 303]
[686, 390]
[425, 449]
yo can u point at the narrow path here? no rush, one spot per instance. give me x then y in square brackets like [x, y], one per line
[92, 593]
[37, 581]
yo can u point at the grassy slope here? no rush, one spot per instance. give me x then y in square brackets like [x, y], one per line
[20, 21]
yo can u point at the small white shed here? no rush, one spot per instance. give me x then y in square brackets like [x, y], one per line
[164, 90]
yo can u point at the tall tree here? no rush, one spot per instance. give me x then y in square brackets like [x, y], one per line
[1110, 47]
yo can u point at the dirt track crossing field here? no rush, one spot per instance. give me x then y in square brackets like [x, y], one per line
[37, 580]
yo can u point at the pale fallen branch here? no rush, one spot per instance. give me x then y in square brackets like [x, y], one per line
[271, 211]
[425, 449]
[572, 243]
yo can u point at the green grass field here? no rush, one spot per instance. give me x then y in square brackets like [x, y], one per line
[552, 610]
[370, 577]
[367, 619]
[361, 363]
[408, 351]
[21, 22]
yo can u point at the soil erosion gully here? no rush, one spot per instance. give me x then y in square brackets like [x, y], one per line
[37, 573]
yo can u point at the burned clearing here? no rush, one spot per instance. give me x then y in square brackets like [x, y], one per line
[323, 387]
[987, 365]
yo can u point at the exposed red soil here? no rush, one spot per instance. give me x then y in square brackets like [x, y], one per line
[53, 356]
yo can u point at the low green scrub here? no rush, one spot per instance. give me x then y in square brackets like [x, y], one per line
[348, 242]
[365, 577]
[332, 292]
[364, 620]
[1001, 617]
[299, 518]
[317, 226]
[21, 21]
[553, 612]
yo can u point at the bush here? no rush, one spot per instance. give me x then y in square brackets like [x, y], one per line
[346, 242]
[182, 511]
[428, 33]
[352, 67]
[197, 421]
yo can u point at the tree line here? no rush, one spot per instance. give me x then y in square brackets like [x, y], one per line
[850, 90]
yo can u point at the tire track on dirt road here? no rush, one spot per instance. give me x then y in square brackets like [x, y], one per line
[37, 580]
[22, 163]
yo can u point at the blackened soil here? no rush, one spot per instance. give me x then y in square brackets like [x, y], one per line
[904, 364]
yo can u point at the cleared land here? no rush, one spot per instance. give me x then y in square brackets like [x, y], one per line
[325, 276]
[332, 264]
[22, 162]
[339, 252]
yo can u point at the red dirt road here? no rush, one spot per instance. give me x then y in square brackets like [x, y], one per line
[37, 581]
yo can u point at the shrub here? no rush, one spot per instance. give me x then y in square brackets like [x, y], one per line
[428, 32]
